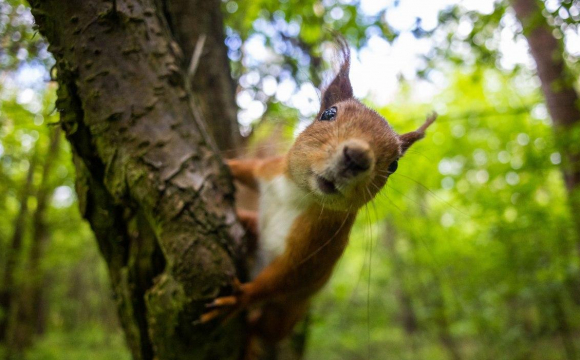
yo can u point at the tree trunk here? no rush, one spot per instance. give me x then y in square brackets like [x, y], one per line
[442, 320]
[28, 316]
[212, 85]
[8, 288]
[564, 330]
[561, 98]
[149, 182]
[40, 236]
[407, 316]
[435, 298]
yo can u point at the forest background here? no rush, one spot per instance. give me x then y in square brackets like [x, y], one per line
[470, 252]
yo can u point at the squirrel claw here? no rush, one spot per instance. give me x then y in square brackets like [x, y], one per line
[208, 316]
[222, 302]
[228, 306]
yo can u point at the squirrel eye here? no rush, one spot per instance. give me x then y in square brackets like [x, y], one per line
[393, 167]
[328, 114]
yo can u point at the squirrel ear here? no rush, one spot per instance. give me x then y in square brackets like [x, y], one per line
[410, 138]
[340, 88]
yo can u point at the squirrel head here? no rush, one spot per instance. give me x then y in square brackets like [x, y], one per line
[344, 158]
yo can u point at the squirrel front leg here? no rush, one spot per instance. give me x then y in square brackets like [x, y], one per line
[247, 172]
[271, 281]
[276, 281]
[244, 171]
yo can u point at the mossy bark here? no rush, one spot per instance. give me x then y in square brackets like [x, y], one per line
[155, 192]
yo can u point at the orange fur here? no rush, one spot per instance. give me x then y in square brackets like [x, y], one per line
[308, 261]
[243, 171]
[336, 165]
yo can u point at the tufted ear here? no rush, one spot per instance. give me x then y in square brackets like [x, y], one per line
[410, 138]
[340, 88]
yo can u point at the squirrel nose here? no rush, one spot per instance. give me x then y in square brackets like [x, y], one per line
[356, 158]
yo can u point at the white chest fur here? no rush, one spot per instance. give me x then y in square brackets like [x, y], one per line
[281, 201]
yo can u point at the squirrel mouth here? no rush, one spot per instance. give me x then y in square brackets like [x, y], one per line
[325, 185]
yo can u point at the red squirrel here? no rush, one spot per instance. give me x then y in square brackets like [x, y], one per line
[308, 202]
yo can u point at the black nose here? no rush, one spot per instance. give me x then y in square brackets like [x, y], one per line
[356, 160]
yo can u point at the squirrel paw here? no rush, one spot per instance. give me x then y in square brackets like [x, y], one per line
[228, 306]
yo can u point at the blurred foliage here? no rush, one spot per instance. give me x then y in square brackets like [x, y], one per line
[89, 342]
[273, 43]
[470, 246]
[466, 37]
[468, 252]
[79, 317]
[19, 41]
[293, 31]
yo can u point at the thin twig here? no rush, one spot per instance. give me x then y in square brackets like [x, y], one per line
[195, 110]
[195, 57]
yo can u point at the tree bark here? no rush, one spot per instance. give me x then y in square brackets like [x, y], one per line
[561, 98]
[212, 84]
[214, 90]
[157, 196]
